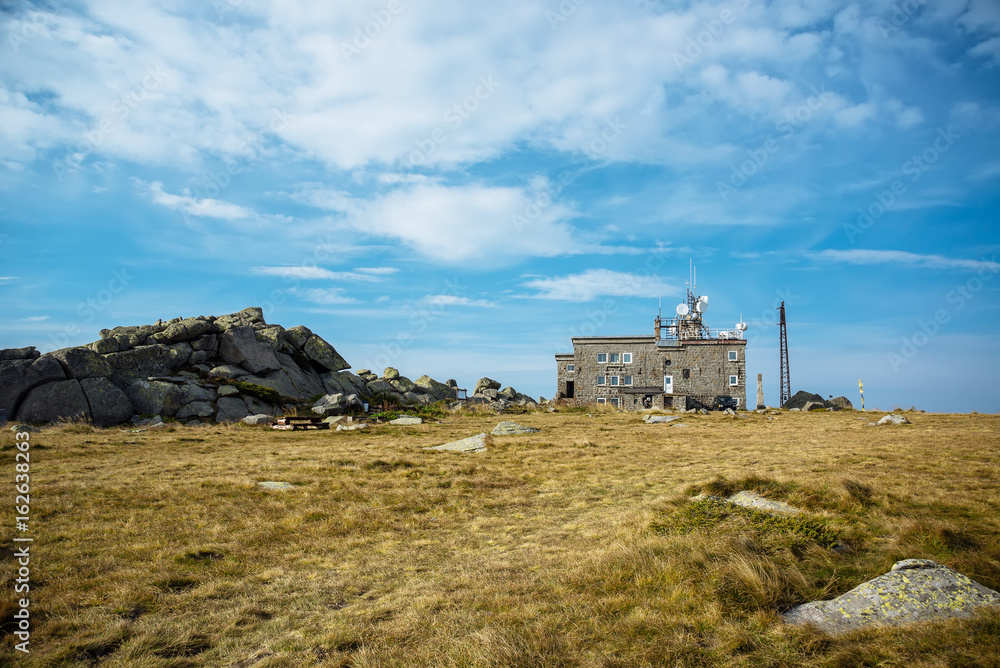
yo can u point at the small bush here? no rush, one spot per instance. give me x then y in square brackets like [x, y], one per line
[259, 391]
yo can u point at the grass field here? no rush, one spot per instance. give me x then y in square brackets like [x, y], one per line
[575, 546]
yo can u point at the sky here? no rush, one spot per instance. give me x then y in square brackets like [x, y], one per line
[458, 188]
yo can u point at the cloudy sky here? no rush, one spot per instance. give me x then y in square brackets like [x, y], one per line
[458, 188]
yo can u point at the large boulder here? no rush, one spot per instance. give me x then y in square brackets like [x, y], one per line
[323, 355]
[18, 377]
[140, 363]
[402, 384]
[231, 409]
[185, 330]
[486, 384]
[248, 317]
[508, 393]
[239, 345]
[191, 393]
[390, 373]
[801, 398]
[108, 404]
[306, 383]
[345, 382]
[439, 391]
[367, 375]
[379, 386]
[155, 397]
[196, 409]
[298, 336]
[80, 362]
[52, 401]
[915, 590]
[274, 336]
[841, 402]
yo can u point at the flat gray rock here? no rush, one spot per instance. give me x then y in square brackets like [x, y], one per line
[753, 500]
[508, 428]
[271, 484]
[660, 419]
[259, 419]
[915, 590]
[475, 443]
[351, 427]
[406, 419]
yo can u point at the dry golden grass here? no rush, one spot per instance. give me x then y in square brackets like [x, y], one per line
[562, 548]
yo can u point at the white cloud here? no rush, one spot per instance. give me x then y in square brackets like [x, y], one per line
[990, 49]
[192, 206]
[323, 295]
[35, 318]
[309, 273]
[455, 300]
[465, 223]
[904, 258]
[378, 271]
[8, 278]
[595, 283]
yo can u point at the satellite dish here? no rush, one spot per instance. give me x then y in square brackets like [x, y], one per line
[741, 326]
[700, 307]
[682, 309]
[703, 298]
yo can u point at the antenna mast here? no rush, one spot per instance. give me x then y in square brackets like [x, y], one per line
[786, 383]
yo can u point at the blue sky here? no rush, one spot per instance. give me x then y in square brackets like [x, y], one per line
[458, 188]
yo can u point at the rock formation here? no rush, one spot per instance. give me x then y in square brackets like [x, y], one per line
[207, 368]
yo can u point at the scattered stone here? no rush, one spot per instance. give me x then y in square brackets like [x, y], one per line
[660, 419]
[915, 590]
[259, 419]
[24, 428]
[794, 410]
[406, 419]
[507, 428]
[351, 427]
[894, 419]
[334, 419]
[475, 443]
[703, 411]
[227, 391]
[679, 425]
[271, 484]
[485, 383]
[730, 411]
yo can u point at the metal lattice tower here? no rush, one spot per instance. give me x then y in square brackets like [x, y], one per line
[786, 383]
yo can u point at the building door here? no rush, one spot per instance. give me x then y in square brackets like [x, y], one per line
[569, 389]
[668, 384]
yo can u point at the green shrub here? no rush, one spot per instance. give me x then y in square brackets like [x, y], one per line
[259, 391]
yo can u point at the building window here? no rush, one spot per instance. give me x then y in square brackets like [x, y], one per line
[602, 358]
[614, 380]
[602, 400]
[734, 380]
[570, 368]
[627, 380]
[614, 358]
[686, 374]
[733, 356]
[626, 358]
[600, 380]
[614, 402]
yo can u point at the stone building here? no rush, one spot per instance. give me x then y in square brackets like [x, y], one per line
[682, 365]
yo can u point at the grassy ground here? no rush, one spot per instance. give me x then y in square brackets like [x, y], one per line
[575, 546]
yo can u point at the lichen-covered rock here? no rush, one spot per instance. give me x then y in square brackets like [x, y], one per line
[298, 336]
[254, 420]
[272, 335]
[390, 373]
[248, 317]
[28, 353]
[196, 409]
[108, 404]
[228, 371]
[185, 330]
[323, 355]
[842, 403]
[749, 499]
[208, 342]
[379, 386]
[227, 391]
[402, 384]
[507, 428]
[190, 393]
[508, 393]
[659, 419]
[485, 383]
[80, 362]
[239, 345]
[403, 420]
[345, 382]
[367, 375]
[439, 391]
[62, 399]
[915, 590]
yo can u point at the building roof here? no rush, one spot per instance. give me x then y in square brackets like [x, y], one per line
[613, 339]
